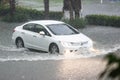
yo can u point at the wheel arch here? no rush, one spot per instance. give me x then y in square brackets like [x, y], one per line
[52, 44]
[17, 39]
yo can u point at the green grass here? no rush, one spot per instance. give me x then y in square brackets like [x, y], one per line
[38, 4]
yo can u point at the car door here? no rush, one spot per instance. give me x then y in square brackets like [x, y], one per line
[28, 35]
[41, 41]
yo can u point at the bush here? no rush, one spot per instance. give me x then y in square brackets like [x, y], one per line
[56, 15]
[4, 10]
[32, 13]
[23, 14]
[16, 18]
[103, 20]
[77, 23]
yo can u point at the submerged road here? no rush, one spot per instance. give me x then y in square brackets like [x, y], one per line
[77, 69]
[22, 64]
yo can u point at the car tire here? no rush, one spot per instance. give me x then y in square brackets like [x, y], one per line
[53, 49]
[19, 43]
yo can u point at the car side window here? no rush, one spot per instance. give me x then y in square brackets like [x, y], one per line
[29, 27]
[39, 28]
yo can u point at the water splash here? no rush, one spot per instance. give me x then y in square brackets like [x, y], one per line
[12, 48]
[14, 54]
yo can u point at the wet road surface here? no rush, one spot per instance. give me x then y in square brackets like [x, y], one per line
[23, 64]
[77, 69]
[106, 39]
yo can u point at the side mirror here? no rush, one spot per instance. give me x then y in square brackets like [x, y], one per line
[42, 33]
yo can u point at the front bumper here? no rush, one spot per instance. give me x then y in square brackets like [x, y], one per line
[67, 50]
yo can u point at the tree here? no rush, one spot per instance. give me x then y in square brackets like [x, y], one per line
[3, 2]
[0, 2]
[11, 4]
[70, 10]
[46, 7]
[12, 7]
[74, 8]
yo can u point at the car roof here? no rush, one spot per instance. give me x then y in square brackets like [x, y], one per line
[46, 22]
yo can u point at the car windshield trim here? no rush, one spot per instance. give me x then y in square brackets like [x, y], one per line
[62, 29]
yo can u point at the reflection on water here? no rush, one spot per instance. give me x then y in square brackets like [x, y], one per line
[68, 68]
[73, 69]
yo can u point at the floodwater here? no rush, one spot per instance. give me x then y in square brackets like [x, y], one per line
[23, 64]
[105, 39]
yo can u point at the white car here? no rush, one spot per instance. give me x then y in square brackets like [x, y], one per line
[50, 36]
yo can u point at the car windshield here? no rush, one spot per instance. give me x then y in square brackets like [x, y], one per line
[62, 29]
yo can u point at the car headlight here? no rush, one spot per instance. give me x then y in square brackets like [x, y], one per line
[66, 43]
[90, 43]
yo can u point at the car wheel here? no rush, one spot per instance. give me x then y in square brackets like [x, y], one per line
[54, 49]
[19, 43]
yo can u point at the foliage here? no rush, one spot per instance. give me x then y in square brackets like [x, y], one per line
[23, 14]
[4, 10]
[111, 71]
[32, 13]
[56, 15]
[16, 18]
[77, 23]
[103, 20]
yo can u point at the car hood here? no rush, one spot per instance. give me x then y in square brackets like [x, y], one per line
[73, 38]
